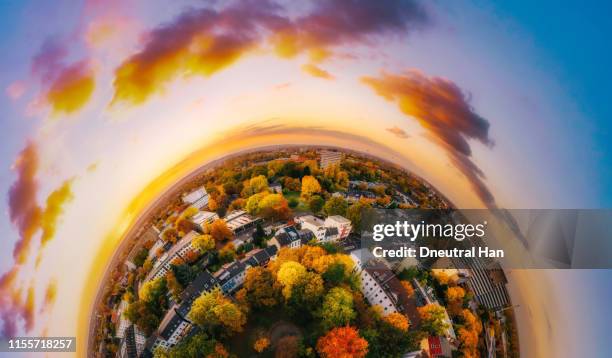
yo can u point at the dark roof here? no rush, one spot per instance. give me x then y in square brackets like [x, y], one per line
[271, 250]
[203, 282]
[230, 272]
[129, 340]
[169, 324]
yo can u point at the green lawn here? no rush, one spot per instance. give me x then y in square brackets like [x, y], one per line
[302, 206]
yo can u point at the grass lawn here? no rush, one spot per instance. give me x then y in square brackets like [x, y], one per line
[302, 206]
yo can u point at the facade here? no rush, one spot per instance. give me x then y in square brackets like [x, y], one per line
[231, 276]
[178, 251]
[202, 218]
[171, 329]
[341, 223]
[321, 231]
[329, 158]
[290, 237]
[133, 343]
[197, 198]
[239, 221]
[124, 323]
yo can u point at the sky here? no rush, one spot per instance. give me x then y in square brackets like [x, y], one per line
[105, 104]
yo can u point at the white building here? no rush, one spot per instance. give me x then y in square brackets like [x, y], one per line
[329, 158]
[124, 323]
[341, 223]
[179, 250]
[239, 221]
[202, 218]
[325, 231]
[197, 198]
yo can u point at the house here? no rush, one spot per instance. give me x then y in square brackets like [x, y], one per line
[261, 257]
[329, 158]
[198, 198]
[380, 286]
[231, 276]
[341, 223]
[322, 232]
[204, 282]
[177, 251]
[133, 343]
[124, 323]
[239, 221]
[202, 218]
[171, 330]
[290, 237]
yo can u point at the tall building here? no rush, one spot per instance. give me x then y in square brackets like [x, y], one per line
[329, 158]
[132, 343]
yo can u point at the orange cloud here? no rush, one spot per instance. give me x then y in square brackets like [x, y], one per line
[65, 87]
[441, 108]
[54, 209]
[205, 41]
[50, 296]
[316, 71]
[72, 88]
[15, 310]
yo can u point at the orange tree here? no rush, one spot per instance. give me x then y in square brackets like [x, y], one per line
[342, 342]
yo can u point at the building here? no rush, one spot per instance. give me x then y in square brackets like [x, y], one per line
[318, 228]
[261, 257]
[231, 276]
[341, 223]
[380, 286]
[171, 330]
[202, 218]
[239, 221]
[177, 251]
[290, 237]
[329, 158]
[204, 282]
[197, 198]
[133, 343]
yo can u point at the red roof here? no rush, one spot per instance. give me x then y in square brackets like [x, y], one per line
[435, 346]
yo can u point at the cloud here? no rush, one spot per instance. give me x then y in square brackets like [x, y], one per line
[15, 310]
[54, 209]
[443, 109]
[15, 90]
[24, 211]
[66, 87]
[204, 41]
[398, 132]
[316, 71]
[50, 296]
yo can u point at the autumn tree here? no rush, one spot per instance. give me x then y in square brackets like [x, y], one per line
[433, 319]
[292, 184]
[170, 235]
[336, 205]
[252, 203]
[337, 309]
[214, 309]
[354, 213]
[274, 206]
[408, 287]
[454, 296]
[342, 342]
[469, 333]
[255, 185]
[398, 321]
[261, 344]
[289, 274]
[310, 186]
[219, 230]
[227, 253]
[315, 204]
[204, 243]
[259, 285]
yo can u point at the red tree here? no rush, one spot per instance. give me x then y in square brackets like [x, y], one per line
[342, 342]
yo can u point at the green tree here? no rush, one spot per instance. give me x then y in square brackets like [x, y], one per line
[336, 205]
[316, 203]
[353, 213]
[337, 309]
[433, 319]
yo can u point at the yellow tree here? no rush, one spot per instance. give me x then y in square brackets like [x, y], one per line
[214, 309]
[204, 243]
[310, 185]
[259, 285]
[289, 274]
